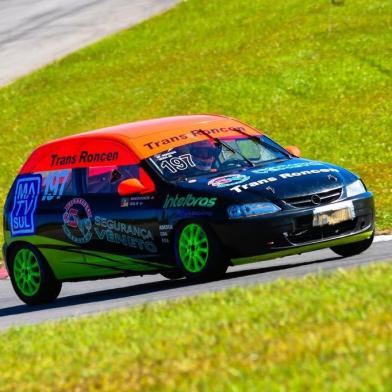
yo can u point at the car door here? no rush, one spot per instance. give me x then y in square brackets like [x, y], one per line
[125, 229]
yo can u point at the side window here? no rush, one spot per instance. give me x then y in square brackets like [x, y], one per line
[105, 179]
[55, 184]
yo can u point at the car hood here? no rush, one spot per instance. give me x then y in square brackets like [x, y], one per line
[276, 180]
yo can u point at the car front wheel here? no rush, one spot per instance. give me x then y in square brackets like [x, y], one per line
[198, 252]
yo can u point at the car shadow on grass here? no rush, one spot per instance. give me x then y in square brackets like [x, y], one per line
[145, 289]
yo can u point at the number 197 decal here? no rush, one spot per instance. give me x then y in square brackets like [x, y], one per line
[54, 184]
[178, 163]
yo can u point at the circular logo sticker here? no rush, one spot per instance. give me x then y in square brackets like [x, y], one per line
[230, 179]
[77, 220]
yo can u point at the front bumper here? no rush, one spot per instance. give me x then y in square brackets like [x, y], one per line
[292, 229]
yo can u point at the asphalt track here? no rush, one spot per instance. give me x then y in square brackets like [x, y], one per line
[83, 298]
[36, 32]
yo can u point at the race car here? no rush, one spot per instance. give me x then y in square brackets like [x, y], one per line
[185, 196]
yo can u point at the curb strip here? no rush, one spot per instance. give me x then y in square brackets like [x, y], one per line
[3, 273]
[382, 238]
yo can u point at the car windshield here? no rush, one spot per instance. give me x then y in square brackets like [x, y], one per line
[216, 156]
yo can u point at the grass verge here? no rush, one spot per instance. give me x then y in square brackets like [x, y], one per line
[322, 332]
[309, 73]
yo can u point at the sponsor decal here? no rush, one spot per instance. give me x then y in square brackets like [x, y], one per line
[134, 201]
[77, 220]
[165, 227]
[117, 232]
[229, 180]
[141, 198]
[192, 214]
[164, 231]
[288, 166]
[189, 201]
[79, 226]
[240, 188]
[25, 203]
[124, 202]
[195, 134]
[83, 157]
[282, 176]
[54, 184]
[307, 172]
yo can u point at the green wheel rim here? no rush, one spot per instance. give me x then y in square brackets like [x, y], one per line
[193, 247]
[27, 273]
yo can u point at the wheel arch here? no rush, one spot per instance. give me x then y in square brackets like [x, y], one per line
[200, 221]
[20, 243]
[11, 248]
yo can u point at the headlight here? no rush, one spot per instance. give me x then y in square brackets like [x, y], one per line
[355, 188]
[253, 209]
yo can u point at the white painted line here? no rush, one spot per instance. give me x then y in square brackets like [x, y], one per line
[382, 238]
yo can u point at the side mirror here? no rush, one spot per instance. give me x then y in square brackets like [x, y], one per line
[130, 187]
[293, 150]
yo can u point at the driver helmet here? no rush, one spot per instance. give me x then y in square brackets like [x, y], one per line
[204, 154]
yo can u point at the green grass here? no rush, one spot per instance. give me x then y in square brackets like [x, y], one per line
[308, 72]
[323, 332]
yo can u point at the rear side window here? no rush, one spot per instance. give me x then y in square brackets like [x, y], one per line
[105, 179]
[55, 184]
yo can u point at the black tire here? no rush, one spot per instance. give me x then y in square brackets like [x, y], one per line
[48, 287]
[214, 263]
[354, 248]
[172, 274]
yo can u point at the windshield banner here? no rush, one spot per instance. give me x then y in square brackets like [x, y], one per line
[149, 145]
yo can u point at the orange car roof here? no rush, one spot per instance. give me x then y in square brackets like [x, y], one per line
[144, 138]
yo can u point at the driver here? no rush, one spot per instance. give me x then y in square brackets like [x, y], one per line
[205, 154]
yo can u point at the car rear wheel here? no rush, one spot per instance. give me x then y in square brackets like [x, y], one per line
[354, 248]
[31, 277]
[198, 252]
